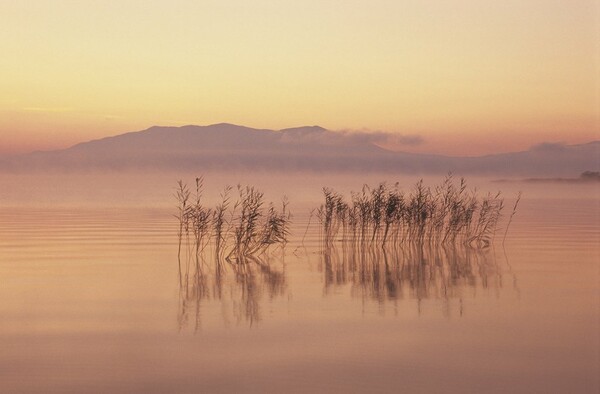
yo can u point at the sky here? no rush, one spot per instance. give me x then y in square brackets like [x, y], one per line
[463, 77]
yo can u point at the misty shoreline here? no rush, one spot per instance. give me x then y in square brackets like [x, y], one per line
[587, 177]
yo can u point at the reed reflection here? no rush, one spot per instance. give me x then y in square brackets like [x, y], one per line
[414, 270]
[239, 287]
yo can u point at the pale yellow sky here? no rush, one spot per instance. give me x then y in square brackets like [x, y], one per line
[469, 76]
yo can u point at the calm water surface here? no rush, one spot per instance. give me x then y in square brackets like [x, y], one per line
[91, 301]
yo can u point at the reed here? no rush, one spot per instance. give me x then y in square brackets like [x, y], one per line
[237, 230]
[518, 199]
[200, 219]
[381, 215]
[182, 194]
[220, 223]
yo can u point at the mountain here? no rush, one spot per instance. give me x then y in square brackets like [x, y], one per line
[225, 146]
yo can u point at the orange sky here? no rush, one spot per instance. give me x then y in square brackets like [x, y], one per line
[469, 76]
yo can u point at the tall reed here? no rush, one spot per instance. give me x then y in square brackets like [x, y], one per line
[445, 214]
[236, 230]
[182, 194]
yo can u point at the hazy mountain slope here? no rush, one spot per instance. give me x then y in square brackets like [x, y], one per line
[541, 160]
[182, 139]
[226, 146]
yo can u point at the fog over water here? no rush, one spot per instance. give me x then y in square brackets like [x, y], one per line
[152, 188]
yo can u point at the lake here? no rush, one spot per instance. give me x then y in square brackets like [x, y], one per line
[92, 299]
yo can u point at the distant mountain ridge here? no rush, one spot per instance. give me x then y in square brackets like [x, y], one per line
[226, 146]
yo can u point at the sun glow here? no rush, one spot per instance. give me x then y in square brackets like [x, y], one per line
[470, 77]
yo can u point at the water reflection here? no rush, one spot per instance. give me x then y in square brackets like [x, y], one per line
[415, 271]
[240, 287]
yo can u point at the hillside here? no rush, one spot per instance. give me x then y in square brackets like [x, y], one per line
[226, 146]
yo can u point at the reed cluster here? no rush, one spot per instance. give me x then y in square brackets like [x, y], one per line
[384, 215]
[237, 229]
